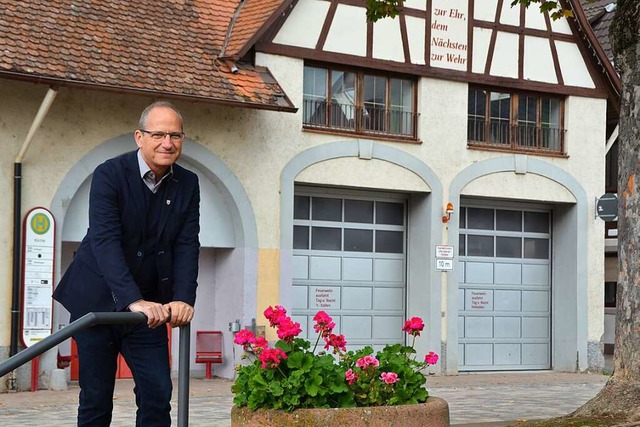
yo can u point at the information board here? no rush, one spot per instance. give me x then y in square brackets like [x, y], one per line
[37, 275]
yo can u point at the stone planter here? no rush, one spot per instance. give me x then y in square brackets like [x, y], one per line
[433, 413]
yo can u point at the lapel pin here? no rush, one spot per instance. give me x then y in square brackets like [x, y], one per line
[168, 202]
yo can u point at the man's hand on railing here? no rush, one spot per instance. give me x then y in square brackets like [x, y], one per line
[181, 313]
[157, 314]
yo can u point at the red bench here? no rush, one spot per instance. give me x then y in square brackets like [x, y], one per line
[208, 349]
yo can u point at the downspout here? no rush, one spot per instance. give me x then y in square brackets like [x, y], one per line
[17, 209]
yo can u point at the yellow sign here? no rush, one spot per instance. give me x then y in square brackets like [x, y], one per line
[40, 223]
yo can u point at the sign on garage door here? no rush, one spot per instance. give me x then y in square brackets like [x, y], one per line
[349, 260]
[504, 293]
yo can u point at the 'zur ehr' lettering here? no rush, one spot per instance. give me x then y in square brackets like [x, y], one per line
[449, 34]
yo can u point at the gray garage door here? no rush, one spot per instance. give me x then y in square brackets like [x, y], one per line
[349, 260]
[504, 294]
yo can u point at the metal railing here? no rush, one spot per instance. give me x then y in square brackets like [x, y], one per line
[370, 119]
[92, 319]
[502, 133]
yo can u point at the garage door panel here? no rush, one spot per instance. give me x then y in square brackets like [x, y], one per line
[508, 274]
[356, 327]
[535, 274]
[387, 327]
[461, 275]
[359, 298]
[300, 297]
[461, 333]
[479, 327]
[535, 301]
[535, 327]
[507, 354]
[388, 298]
[300, 267]
[324, 268]
[303, 325]
[481, 272]
[360, 269]
[507, 300]
[507, 327]
[461, 300]
[535, 354]
[388, 270]
[478, 354]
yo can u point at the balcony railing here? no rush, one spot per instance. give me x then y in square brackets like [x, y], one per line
[503, 134]
[372, 120]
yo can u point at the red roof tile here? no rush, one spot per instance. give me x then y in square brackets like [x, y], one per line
[169, 47]
[252, 17]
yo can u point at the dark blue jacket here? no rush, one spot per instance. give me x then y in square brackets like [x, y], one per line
[100, 277]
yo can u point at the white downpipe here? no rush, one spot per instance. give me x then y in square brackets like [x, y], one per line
[37, 121]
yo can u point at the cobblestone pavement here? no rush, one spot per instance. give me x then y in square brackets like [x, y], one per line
[473, 399]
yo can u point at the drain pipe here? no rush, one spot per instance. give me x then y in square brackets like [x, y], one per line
[17, 208]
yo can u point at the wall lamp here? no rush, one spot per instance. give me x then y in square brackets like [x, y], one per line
[448, 211]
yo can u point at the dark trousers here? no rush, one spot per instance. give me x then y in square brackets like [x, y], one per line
[146, 352]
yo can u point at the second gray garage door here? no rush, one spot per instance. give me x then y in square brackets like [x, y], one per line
[504, 297]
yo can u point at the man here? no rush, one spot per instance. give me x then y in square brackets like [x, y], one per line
[140, 254]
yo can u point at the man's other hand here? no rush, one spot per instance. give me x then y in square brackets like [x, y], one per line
[181, 313]
[157, 314]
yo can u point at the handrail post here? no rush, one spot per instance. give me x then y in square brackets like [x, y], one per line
[183, 375]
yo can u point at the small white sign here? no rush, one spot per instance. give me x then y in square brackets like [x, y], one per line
[37, 280]
[444, 264]
[444, 251]
[478, 299]
[325, 298]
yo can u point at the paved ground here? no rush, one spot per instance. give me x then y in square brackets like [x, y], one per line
[473, 399]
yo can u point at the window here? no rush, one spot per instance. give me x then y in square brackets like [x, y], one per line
[357, 102]
[518, 121]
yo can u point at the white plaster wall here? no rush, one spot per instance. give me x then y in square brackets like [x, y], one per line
[387, 42]
[373, 173]
[348, 32]
[585, 124]
[304, 24]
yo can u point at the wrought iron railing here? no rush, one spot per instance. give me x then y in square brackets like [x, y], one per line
[91, 319]
[501, 133]
[320, 114]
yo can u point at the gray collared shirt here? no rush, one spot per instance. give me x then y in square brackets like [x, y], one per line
[149, 177]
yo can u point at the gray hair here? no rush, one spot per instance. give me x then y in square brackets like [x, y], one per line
[142, 123]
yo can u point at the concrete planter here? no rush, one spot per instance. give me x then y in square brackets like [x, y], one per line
[433, 413]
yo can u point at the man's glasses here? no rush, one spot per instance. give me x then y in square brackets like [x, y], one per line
[159, 136]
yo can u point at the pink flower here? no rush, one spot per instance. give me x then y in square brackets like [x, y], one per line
[271, 357]
[288, 329]
[350, 376]
[336, 341]
[259, 343]
[275, 315]
[431, 358]
[324, 323]
[244, 337]
[413, 326]
[366, 361]
[389, 377]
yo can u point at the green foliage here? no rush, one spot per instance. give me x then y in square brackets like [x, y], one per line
[369, 390]
[304, 380]
[378, 9]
